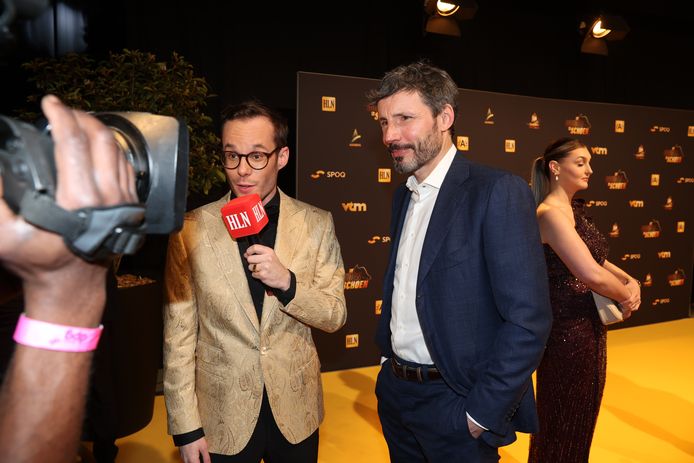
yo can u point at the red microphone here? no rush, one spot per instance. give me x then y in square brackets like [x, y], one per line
[245, 216]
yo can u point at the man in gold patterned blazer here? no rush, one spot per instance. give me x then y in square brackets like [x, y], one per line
[241, 373]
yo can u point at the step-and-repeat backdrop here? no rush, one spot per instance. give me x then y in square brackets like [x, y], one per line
[640, 194]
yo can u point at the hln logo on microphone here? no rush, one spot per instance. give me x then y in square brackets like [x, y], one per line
[244, 216]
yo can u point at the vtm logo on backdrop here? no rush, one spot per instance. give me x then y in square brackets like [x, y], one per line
[598, 150]
[652, 230]
[676, 278]
[580, 125]
[332, 174]
[357, 278]
[354, 207]
[617, 181]
[328, 104]
[664, 254]
[674, 155]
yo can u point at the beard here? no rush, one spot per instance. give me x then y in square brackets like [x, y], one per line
[424, 149]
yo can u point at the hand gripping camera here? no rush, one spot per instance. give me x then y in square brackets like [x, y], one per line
[156, 147]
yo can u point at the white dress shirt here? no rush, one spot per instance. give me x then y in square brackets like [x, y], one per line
[406, 333]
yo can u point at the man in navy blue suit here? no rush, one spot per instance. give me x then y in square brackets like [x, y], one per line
[465, 312]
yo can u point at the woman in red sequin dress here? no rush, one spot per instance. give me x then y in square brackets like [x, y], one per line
[571, 377]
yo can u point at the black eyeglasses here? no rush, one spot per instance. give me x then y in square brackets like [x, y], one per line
[257, 160]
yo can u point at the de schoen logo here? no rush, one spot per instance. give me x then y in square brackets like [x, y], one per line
[676, 278]
[617, 181]
[674, 155]
[332, 174]
[354, 207]
[379, 239]
[652, 230]
[357, 277]
[596, 203]
[631, 257]
[685, 180]
[580, 125]
[661, 301]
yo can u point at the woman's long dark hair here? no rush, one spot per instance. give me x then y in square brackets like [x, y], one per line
[556, 151]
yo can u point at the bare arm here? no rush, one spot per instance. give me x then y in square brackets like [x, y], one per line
[632, 284]
[42, 398]
[557, 231]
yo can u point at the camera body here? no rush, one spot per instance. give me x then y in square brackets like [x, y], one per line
[157, 148]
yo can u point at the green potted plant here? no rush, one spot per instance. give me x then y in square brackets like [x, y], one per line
[135, 81]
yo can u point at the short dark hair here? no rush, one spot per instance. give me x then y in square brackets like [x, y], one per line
[254, 108]
[434, 85]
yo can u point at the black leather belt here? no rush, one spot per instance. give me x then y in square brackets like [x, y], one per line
[418, 374]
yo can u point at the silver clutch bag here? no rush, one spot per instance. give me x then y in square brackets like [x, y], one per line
[609, 310]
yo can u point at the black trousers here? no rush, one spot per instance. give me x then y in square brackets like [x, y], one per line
[426, 422]
[268, 443]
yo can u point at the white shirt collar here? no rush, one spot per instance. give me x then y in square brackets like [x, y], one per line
[435, 178]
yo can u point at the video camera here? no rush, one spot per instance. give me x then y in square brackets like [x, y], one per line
[157, 148]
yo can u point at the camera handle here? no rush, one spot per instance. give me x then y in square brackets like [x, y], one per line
[91, 233]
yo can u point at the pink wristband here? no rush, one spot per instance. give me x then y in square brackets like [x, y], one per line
[44, 335]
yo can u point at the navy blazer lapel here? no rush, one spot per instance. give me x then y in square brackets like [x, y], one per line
[448, 200]
[402, 201]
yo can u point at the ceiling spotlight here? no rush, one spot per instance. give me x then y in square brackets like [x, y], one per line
[602, 28]
[598, 31]
[444, 15]
[445, 8]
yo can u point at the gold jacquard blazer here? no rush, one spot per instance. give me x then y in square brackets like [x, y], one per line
[218, 356]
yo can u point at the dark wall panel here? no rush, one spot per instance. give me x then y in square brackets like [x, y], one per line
[640, 192]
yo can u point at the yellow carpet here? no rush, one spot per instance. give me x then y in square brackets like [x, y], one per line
[647, 413]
